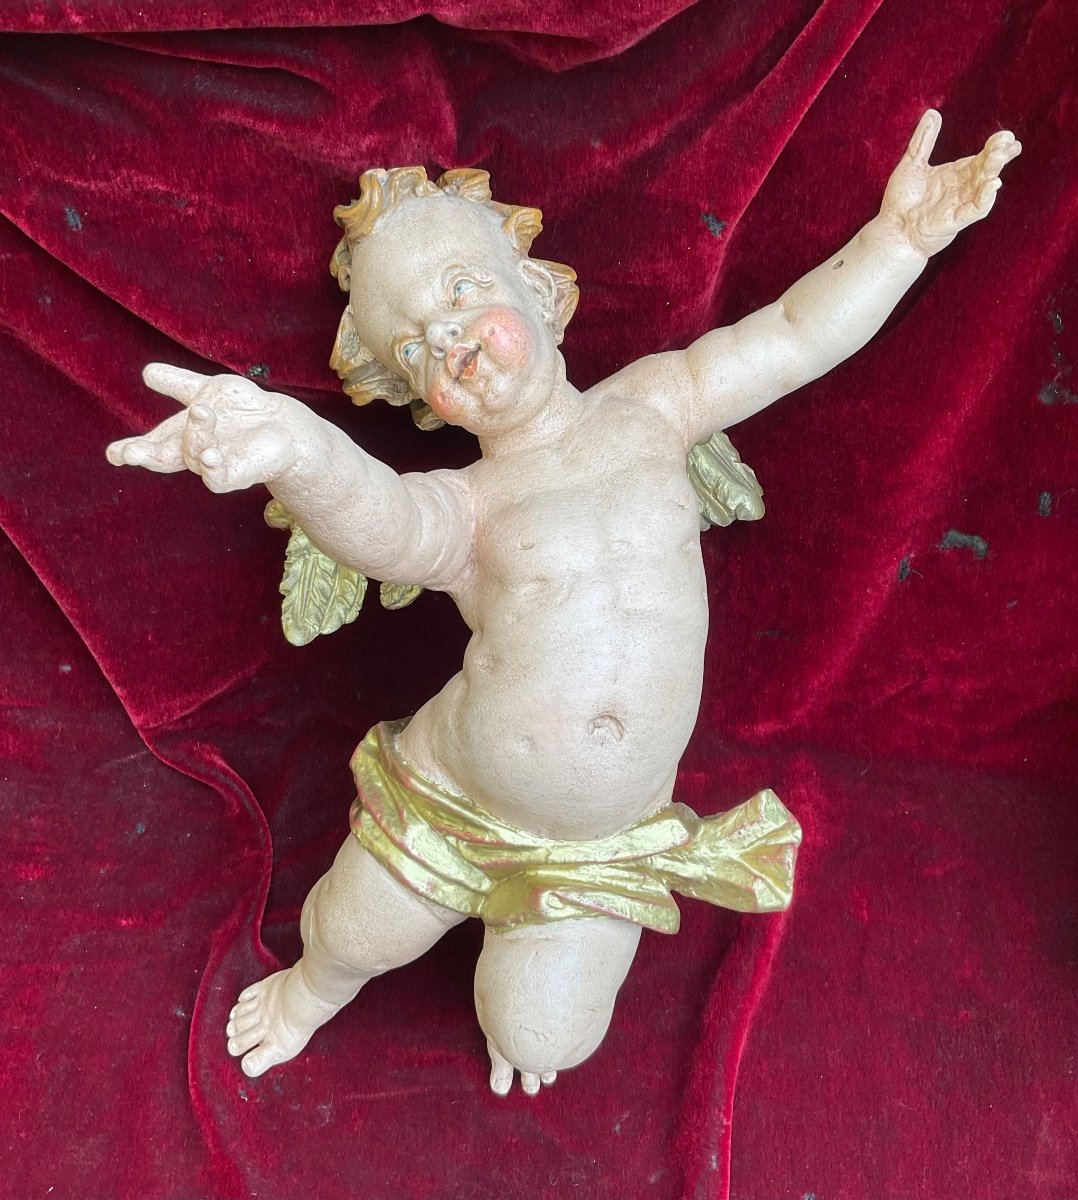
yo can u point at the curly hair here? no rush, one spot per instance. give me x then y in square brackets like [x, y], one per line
[364, 378]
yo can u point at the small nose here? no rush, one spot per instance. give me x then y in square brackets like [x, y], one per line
[442, 336]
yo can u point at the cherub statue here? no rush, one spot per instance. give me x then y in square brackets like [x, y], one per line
[535, 790]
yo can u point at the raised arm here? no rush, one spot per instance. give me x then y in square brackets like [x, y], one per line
[731, 373]
[413, 529]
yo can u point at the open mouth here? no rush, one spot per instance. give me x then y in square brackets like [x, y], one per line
[462, 361]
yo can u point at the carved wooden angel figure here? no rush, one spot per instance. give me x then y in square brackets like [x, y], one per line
[535, 791]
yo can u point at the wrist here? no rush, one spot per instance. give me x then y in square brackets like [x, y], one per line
[306, 444]
[898, 238]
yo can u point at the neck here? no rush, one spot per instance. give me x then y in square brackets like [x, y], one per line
[547, 427]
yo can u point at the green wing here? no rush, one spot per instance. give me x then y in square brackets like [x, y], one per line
[320, 595]
[398, 595]
[726, 489]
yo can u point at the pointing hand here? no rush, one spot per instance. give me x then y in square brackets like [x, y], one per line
[230, 432]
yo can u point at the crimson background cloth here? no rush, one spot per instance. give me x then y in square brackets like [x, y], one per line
[892, 647]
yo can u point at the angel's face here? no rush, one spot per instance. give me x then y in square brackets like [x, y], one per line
[439, 297]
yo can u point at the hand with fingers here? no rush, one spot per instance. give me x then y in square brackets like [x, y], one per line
[930, 205]
[230, 432]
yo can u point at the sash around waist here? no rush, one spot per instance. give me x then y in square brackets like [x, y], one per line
[442, 846]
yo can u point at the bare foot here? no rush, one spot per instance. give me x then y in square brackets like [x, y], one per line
[274, 1019]
[501, 1075]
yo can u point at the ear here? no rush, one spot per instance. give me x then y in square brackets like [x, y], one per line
[542, 283]
[555, 285]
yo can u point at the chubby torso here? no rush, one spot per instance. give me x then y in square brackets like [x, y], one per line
[586, 597]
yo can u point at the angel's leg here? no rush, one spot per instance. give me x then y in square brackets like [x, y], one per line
[357, 922]
[544, 994]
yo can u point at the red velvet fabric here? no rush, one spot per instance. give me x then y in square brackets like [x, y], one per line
[892, 647]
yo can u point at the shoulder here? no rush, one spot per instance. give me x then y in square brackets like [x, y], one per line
[445, 488]
[658, 385]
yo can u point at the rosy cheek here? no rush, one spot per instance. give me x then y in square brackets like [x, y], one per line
[506, 336]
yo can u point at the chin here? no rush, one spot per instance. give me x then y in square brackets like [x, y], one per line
[460, 402]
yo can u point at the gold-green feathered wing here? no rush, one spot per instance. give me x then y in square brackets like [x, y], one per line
[726, 489]
[320, 595]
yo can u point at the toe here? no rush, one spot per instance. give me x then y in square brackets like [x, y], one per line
[249, 993]
[548, 1077]
[501, 1072]
[242, 1023]
[242, 1009]
[529, 1081]
[240, 1043]
[260, 1060]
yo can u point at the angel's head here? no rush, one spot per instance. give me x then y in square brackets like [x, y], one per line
[446, 310]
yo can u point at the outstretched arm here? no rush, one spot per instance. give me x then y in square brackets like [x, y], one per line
[825, 317]
[412, 529]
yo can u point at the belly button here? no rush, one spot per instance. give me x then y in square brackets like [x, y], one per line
[606, 729]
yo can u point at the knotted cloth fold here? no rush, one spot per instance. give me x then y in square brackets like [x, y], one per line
[442, 846]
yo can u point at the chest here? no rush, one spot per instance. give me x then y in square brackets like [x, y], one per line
[614, 494]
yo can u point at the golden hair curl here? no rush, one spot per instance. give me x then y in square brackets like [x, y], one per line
[364, 378]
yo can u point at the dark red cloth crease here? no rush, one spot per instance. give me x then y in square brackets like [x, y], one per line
[715, 1085]
[211, 1007]
[599, 33]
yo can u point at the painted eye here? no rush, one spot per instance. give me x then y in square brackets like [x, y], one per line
[462, 287]
[409, 351]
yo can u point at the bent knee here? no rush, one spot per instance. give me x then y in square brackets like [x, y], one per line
[545, 995]
[540, 1042]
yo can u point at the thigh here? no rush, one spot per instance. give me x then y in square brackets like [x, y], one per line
[362, 915]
